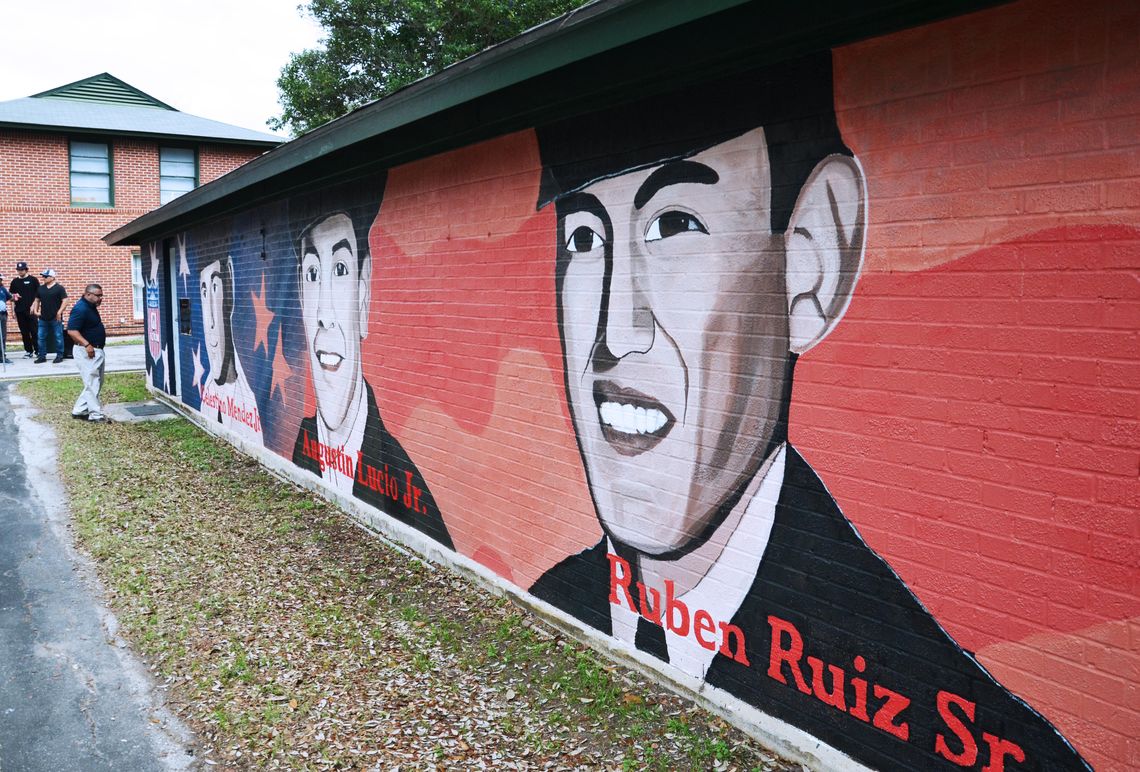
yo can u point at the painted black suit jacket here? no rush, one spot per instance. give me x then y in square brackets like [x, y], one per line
[844, 601]
[380, 449]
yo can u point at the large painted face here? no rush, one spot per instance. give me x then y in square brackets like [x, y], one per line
[212, 287]
[334, 303]
[675, 335]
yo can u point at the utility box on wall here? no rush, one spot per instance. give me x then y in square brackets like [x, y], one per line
[807, 380]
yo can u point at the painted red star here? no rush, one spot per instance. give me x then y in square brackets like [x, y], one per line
[281, 370]
[263, 316]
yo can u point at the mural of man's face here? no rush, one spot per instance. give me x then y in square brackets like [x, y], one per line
[334, 303]
[213, 291]
[675, 335]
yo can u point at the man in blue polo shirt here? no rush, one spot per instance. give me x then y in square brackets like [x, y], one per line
[85, 328]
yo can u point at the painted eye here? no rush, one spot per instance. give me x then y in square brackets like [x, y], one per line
[584, 239]
[340, 269]
[671, 223]
[311, 273]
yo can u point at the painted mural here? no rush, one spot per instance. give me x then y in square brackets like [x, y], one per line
[798, 382]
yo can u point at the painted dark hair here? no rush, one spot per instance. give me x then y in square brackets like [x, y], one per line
[793, 101]
[358, 200]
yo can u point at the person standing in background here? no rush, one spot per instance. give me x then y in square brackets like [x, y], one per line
[5, 296]
[49, 307]
[24, 289]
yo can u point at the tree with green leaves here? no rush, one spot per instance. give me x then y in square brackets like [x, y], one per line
[373, 47]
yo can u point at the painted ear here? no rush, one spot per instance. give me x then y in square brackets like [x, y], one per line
[365, 294]
[824, 247]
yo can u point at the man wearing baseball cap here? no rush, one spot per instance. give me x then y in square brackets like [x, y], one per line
[24, 289]
[49, 306]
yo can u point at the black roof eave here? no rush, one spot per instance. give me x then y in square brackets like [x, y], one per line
[46, 128]
[597, 55]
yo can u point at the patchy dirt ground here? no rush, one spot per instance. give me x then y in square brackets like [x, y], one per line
[287, 637]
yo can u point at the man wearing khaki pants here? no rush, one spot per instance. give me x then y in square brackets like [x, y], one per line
[85, 327]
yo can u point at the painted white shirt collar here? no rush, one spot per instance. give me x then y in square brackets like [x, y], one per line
[723, 589]
[359, 411]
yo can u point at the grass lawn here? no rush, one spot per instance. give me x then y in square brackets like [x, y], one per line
[290, 638]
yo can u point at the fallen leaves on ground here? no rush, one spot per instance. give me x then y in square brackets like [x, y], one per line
[289, 638]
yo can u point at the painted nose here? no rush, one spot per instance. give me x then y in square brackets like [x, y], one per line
[326, 319]
[629, 317]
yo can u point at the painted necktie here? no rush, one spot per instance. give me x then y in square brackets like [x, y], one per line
[650, 638]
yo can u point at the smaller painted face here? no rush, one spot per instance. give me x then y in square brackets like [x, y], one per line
[334, 304]
[213, 294]
[675, 335]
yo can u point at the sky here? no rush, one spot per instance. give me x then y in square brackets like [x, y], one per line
[217, 59]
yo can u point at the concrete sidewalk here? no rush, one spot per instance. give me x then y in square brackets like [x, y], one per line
[125, 357]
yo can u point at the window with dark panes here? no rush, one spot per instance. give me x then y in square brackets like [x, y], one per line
[91, 174]
[178, 172]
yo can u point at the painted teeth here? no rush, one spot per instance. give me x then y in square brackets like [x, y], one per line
[329, 360]
[630, 419]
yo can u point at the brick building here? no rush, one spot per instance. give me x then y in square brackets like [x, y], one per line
[83, 159]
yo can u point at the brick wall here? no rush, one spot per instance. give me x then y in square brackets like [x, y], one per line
[958, 589]
[38, 223]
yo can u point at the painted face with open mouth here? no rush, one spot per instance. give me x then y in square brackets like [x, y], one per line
[334, 303]
[675, 336]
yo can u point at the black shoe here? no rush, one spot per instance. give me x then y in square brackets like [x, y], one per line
[79, 416]
[29, 355]
[40, 360]
[8, 362]
[57, 360]
[100, 420]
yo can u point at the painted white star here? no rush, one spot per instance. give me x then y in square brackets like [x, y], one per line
[183, 266]
[154, 264]
[199, 371]
[165, 370]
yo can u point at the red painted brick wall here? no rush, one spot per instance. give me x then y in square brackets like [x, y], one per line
[38, 223]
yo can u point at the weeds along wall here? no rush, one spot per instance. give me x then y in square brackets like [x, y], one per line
[566, 356]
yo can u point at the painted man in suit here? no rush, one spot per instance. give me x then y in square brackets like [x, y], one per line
[706, 238]
[346, 442]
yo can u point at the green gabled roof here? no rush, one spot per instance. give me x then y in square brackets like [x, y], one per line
[105, 89]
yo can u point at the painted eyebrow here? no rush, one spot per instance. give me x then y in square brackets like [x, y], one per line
[310, 249]
[674, 173]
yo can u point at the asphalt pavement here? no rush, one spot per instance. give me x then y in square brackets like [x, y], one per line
[72, 695]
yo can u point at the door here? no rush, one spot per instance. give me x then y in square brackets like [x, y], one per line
[169, 328]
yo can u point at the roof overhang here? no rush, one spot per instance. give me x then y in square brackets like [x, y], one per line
[43, 128]
[595, 56]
